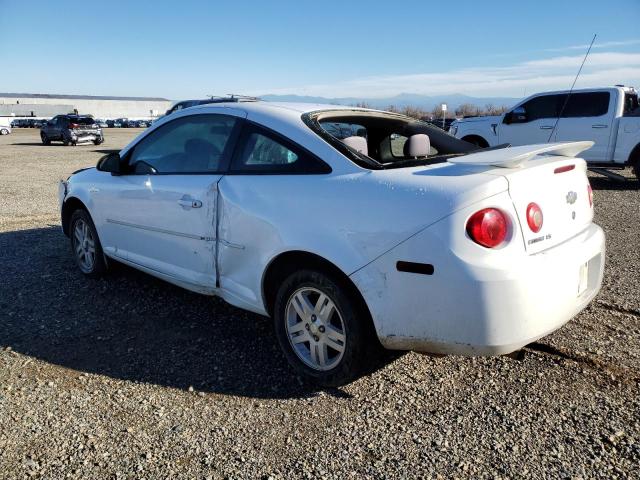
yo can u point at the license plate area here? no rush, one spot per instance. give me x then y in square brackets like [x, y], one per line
[583, 278]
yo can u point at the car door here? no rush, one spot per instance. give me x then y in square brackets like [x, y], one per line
[61, 125]
[587, 116]
[161, 213]
[263, 187]
[50, 127]
[531, 122]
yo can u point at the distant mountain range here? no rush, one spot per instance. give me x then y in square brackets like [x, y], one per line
[402, 100]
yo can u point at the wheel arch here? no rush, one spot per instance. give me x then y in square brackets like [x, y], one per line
[476, 140]
[634, 156]
[69, 206]
[285, 263]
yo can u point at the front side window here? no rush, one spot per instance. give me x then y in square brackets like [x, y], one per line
[544, 106]
[193, 144]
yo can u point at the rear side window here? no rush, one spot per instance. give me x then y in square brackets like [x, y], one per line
[591, 104]
[192, 144]
[263, 151]
[544, 106]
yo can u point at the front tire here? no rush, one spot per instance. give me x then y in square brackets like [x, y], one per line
[324, 332]
[85, 245]
[45, 139]
[4, 131]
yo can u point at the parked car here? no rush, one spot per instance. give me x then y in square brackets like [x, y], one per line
[101, 123]
[606, 116]
[438, 123]
[122, 122]
[192, 103]
[5, 127]
[71, 130]
[348, 244]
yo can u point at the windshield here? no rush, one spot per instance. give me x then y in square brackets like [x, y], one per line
[82, 120]
[379, 140]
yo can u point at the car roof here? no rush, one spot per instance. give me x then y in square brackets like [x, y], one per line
[276, 109]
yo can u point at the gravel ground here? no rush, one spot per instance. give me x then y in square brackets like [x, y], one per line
[130, 377]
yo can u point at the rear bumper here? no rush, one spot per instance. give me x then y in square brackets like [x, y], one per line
[479, 308]
[85, 135]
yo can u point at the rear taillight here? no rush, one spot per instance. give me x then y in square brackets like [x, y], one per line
[590, 195]
[534, 217]
[566, 168]
[488, 227]
[73, 125]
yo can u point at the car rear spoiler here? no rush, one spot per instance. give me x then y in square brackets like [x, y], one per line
[513, 157]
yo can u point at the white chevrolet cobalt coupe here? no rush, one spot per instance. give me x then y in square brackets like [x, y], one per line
[351, 228]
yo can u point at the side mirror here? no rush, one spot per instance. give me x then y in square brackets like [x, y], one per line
[518, 115]
[110, 163]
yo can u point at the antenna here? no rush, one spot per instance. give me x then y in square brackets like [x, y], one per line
[566, 100]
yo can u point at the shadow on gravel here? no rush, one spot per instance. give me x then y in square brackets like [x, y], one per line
[133, 327]
[603, 183]
[107, 152]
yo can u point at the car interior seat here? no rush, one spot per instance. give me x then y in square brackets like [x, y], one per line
[357, 143]
[417, 146]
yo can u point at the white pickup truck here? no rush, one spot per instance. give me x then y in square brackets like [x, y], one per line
[610, 117]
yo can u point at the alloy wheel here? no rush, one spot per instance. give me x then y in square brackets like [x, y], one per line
[84, 246]
[315, 328]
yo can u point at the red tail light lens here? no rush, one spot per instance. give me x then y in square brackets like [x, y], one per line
[488, 227]
[590, 195]
[534, 217]
[73, 125]
[566, 168]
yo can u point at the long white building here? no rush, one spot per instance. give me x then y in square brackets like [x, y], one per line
[46, 105]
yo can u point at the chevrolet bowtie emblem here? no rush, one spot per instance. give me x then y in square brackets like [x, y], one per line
[572, 197]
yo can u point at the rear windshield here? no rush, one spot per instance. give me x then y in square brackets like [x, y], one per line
[386, 140]
[82, 120]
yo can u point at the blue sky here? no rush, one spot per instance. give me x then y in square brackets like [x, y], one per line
[190, 48]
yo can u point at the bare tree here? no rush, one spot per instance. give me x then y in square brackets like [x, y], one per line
[414, 112]
[467, 109]
[362, 105]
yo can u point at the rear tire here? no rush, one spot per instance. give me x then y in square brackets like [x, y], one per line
[85, 245]
[45, 139]
[636, 170]
[65, 141]
[324, 332]
[4, 131]
[98, 141]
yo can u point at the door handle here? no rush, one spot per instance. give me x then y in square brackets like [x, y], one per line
[599, 126]
[546, 127]
[187, 202]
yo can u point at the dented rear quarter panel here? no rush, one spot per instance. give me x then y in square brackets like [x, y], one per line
[348, 219]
